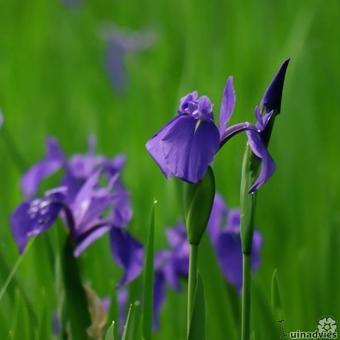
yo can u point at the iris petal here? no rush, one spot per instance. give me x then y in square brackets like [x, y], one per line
[227, 105]
[267, 164]
[189, 147]
[128, 253]
[154, 146]
[34, 176]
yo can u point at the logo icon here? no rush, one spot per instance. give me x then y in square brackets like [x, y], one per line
[327, 325]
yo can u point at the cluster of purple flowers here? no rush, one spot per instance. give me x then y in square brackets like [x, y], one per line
[90, 199]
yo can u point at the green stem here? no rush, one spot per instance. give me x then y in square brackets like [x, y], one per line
[248, 202]
[192, 282]
[246, 298]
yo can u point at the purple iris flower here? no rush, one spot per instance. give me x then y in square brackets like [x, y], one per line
[88, 207]
[186, 146]
[224, 232]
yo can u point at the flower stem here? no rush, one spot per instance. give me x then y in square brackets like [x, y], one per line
[192, 282]
[249, 170]
[246, 298]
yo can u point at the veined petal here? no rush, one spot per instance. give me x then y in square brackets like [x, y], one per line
[227, 105]
[189, 147]
[154, 146]
[52, 162]
[36, 216]
[128, 253]
[267, 164]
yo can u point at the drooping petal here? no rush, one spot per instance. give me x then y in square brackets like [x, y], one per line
[189, 147]
[272, 96]
[227, 105]
[36, 216]
[229, 254]
[154, 146]
[50, 164]
[267, 164]
[128, 253]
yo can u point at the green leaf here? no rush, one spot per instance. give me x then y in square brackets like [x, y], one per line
[198, 202]
[197, 325]
[110, 333]
[20, 328]
[148, 279]
[131, 327]
[76, 317]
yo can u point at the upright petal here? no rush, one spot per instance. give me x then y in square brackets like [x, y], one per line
[51, 163]
[189, 147]
[227, 105]
[272, 96]
[128, 253]
[36, 216]
[154, 146]
[267, 164]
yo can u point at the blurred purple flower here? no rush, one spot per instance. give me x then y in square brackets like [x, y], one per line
[186, 146]
[224, 232]
[91, 201]
[119, 44]
[170, 266]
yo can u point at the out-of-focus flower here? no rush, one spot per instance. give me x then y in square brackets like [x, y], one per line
[91, 201]
[224, 232]
[119, 44]
[186, 146]
[170, 266]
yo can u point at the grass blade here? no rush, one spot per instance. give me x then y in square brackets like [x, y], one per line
[131, 325]
[148, 279]
[110, 333]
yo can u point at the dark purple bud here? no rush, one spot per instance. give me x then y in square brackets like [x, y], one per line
[272, 96]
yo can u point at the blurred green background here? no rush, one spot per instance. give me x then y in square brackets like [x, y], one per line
[53, 81]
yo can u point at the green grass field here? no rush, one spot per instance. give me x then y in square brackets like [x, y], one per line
[53, 82]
